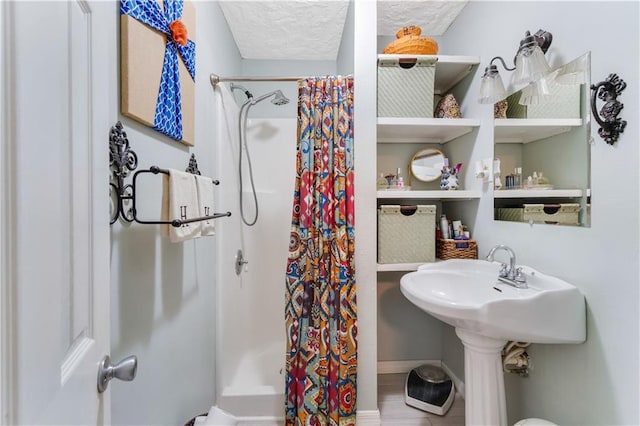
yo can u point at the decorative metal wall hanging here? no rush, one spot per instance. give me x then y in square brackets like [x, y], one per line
[122, 161]
[608, 91]
[193, 166]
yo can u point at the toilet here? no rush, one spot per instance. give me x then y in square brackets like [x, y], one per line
[534, 422]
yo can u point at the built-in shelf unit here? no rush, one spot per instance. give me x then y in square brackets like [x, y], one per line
[430, 195]
[525, 130]
[423, 130]
[538, 193]
[449, 71]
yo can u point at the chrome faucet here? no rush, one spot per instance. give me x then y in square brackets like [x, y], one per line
[509, 275]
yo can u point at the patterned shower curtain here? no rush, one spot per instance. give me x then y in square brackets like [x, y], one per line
[320, 310]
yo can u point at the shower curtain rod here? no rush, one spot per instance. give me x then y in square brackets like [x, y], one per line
[215, 79]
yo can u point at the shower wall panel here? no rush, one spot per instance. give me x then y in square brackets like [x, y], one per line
[251, 334]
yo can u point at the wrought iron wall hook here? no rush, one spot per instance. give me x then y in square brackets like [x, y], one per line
[122, 161]
[608, 91]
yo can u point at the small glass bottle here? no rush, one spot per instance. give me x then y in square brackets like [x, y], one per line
[382, 182]
[518, 182]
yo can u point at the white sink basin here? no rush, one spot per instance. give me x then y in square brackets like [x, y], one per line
[467, 295]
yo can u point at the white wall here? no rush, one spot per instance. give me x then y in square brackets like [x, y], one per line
[163, 294]
[595, 382]
[344, 61]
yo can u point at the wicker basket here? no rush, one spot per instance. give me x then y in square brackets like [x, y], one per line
[410, 30]
[412, 44]
[454, 249]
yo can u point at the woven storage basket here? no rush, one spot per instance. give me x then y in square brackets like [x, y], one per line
[561, 214]
[406, 91]
[454, 249]
[509, 214]
[563, 102]
[406, 239]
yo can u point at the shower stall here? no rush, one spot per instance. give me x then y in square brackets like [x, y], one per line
[250, 333]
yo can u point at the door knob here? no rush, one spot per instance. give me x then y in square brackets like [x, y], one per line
[124, 370]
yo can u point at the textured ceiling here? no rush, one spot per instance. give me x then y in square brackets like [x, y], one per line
[312, 29]
[303, 29]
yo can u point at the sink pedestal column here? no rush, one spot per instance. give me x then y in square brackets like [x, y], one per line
[485, 402]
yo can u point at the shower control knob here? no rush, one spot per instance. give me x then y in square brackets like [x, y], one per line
[241, 263]
[124, 370]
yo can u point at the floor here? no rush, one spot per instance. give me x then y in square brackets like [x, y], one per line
[394, 411]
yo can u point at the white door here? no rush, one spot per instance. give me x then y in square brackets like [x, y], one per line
[57, 103]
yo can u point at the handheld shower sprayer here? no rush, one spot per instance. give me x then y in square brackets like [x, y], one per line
[278, 99]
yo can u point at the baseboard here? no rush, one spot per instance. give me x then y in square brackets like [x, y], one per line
[368, 418]
[400, 367]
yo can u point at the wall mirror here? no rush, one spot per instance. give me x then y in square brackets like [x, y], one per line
[426, 164]
[544, 150]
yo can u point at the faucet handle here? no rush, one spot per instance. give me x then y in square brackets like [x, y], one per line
[504, 270]
[519, 276]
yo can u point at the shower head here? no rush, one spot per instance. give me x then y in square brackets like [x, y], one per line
[279, 98]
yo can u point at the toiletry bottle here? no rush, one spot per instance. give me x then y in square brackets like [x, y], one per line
[444, 227]
[382, 182]
[457, 228]
[400, 182]
[542, 180]
[535, 178]
[496, 174]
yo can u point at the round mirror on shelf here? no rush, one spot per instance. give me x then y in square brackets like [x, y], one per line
[426, 165]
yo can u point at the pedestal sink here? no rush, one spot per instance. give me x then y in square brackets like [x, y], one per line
[487, 313]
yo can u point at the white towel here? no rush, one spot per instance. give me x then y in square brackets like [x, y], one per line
[205, 201]
[180, 201]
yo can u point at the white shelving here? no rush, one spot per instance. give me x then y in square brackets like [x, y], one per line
[449, 69]
[430, 195]
[525, 130]
[538, 193]
[423, 130]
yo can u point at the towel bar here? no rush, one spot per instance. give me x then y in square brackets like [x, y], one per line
[122, 161]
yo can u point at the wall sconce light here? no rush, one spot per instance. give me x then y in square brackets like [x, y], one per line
[530, 67]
